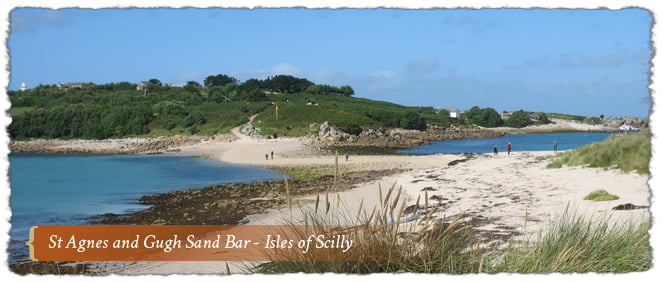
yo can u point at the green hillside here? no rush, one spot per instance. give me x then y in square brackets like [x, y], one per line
[151, 108]
[123, 109]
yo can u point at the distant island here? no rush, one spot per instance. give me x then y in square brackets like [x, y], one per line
[276, 107]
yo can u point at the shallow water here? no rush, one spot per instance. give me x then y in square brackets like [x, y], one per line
[67, 189]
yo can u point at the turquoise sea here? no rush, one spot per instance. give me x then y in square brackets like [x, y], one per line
[67, 189]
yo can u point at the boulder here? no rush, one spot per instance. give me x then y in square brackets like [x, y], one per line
[250, 130]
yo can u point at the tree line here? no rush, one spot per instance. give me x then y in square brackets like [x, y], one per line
[489, 117]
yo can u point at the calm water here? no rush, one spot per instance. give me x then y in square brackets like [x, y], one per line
[519, 142]
[66, 189]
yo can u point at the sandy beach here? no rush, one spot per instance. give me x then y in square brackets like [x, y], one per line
[501, 196]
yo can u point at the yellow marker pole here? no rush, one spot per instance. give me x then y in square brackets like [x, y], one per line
[277, 112]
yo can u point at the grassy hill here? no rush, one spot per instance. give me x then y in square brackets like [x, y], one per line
[118, 110]
[594, 120]
[298, 111]
[96, 112]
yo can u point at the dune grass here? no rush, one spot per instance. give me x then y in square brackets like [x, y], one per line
[630, 152]
[381, 243]
[578, 244]
[429, 245]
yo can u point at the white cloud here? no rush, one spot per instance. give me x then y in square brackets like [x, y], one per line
[29, 19]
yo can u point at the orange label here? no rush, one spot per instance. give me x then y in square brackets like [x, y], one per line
[190, 242]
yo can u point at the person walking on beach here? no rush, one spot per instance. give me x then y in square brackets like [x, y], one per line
[267, 157]
[508, 148]
[555, 146]
[495, 150]
[346, 156]
[272, 155]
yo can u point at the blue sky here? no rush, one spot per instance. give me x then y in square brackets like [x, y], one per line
[587, 62]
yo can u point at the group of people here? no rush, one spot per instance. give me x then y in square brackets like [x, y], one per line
[508, 148]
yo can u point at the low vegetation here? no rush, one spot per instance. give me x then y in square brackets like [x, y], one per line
[629, 152]
[600, 195]
[308, 172]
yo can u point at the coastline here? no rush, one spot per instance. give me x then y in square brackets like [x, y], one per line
[310, 145]
[502, 197]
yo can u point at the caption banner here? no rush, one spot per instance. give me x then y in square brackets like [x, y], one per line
[189, 242]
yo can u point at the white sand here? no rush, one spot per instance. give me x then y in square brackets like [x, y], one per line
[504, 191]
[293, 152]
[513, 192]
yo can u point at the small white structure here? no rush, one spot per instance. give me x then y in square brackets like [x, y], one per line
[141, 85]
[453, 112]
[70, 85]
[23, 87]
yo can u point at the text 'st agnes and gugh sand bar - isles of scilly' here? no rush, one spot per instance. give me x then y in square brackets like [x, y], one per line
[454, 141]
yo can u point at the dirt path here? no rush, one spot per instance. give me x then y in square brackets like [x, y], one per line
[238, 132]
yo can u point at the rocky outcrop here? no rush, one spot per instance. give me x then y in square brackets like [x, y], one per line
[325, 136]
[251, 130]
[631, 121]
[329, 133]
[627, 206]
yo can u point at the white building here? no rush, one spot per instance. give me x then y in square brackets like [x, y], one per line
[141, 85]
[453, 112]
[70, 85]
[24, 87]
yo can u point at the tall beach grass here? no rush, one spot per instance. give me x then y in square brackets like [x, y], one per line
[381, 242]
[427, 244]
[575, 243]
[629, 152]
